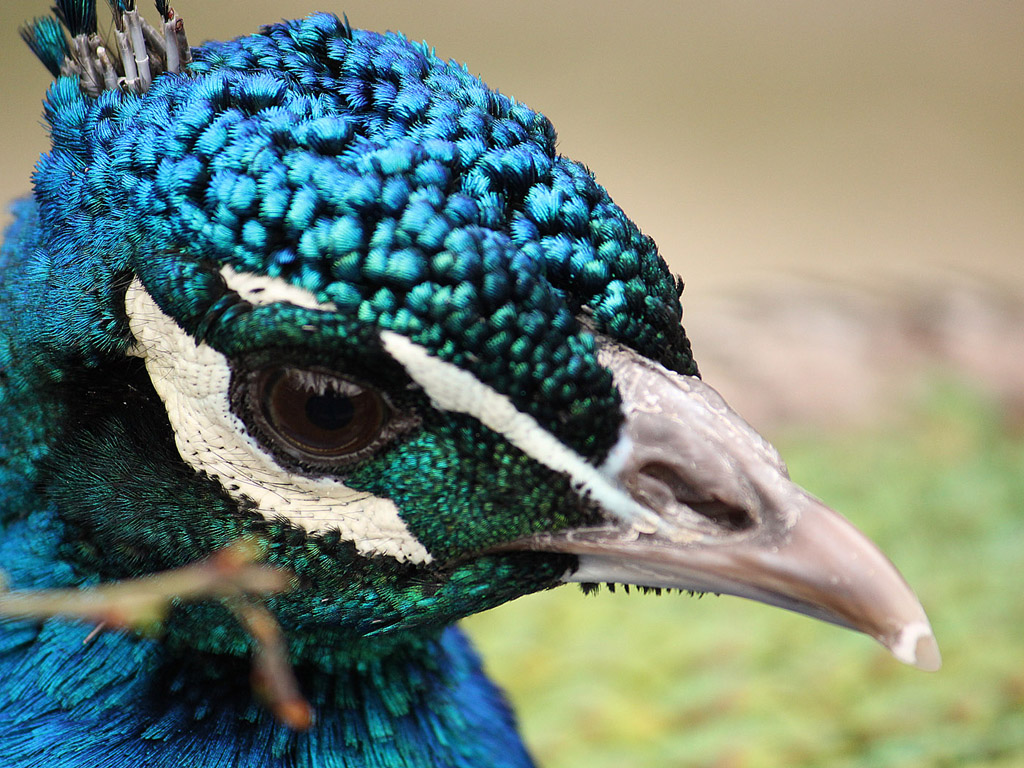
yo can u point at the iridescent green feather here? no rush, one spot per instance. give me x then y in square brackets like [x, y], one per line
[46, 39]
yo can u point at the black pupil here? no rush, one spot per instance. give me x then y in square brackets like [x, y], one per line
[329, 411]
[319, 414]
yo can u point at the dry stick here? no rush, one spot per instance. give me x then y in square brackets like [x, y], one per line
[231, 575]
[273, 679]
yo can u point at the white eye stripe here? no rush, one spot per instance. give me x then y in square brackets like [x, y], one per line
[451, 388]
[194, 381]
[262, 290]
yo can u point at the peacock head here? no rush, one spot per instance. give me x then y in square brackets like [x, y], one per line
[328, 291]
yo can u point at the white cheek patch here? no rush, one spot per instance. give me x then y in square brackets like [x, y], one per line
[451, 388]
[193, 380]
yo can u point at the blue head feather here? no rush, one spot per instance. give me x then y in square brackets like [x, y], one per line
[397, 186]
[400, 191]
[319, 289]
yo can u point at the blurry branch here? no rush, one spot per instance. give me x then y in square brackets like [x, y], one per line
[143, 603]
[231, 575]
[272, 678]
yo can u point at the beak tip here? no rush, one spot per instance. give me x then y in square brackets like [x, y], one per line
[915, 645]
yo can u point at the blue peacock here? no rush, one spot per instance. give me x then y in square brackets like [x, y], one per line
[319, 290]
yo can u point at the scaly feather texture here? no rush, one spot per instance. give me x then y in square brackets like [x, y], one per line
[325, 291]
[367, 171]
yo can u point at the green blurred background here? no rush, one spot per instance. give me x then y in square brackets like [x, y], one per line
[842, 186]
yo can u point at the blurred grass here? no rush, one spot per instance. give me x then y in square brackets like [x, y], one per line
[672, 681]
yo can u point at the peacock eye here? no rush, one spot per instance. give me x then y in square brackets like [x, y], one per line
[317, 416]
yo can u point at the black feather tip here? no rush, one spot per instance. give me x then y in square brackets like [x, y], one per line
[78, 16]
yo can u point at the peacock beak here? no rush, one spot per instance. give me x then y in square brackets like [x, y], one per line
[731, 521]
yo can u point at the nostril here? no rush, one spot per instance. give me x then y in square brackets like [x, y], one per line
[725, 515]
[662, 486]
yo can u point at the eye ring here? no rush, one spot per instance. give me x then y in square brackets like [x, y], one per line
[318, 416]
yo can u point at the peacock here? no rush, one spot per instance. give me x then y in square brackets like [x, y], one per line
[317, 290]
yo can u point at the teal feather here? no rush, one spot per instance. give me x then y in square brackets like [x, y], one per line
[271, 219]
[46, 40]
[398, 188]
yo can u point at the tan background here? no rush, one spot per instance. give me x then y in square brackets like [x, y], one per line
[850, 145]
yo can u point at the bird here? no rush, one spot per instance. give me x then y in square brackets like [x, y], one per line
[317, 289]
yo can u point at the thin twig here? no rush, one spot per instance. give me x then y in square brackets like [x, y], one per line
[273, 679]
[231, 575]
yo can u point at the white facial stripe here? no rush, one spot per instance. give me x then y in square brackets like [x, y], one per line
[261, 289]
[451, 388]
[193, 381]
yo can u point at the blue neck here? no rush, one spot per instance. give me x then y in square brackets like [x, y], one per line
[66, 702]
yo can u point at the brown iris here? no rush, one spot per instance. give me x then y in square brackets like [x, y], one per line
[318, 415]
